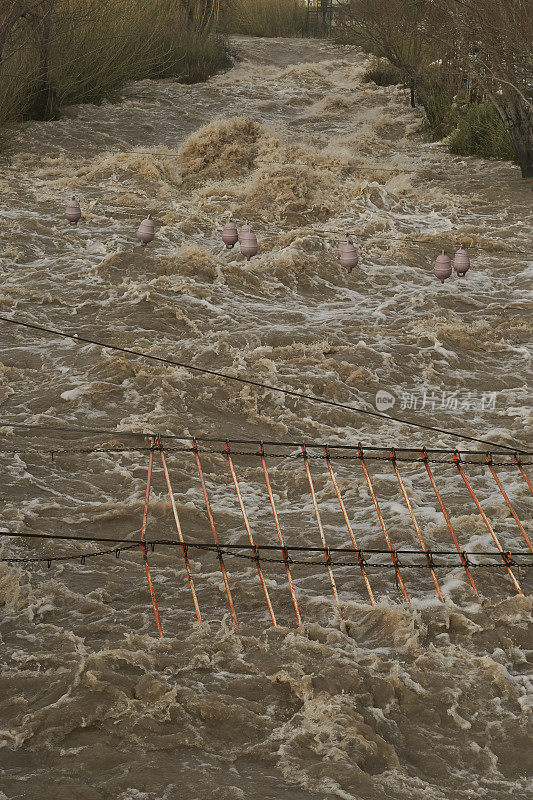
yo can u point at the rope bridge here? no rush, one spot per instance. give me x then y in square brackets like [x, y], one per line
[363, 559]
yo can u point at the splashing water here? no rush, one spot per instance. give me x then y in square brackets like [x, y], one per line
[421, 701]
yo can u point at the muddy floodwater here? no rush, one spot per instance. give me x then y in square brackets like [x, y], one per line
[403, 701]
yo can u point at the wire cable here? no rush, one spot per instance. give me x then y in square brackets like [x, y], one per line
[121, 545]
[258, 384]
[213, 440]
[246, 546]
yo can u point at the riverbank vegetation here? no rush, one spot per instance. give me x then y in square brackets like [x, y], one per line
[59, 52]
[468, 63]
[264, 17]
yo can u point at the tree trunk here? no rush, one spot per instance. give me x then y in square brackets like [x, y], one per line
[43, 104]
[517, 117]
[420, 93]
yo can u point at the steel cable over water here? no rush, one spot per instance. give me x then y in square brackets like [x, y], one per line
[230, 549]
[214, 532]
[320, 528]
[464, 560]
[393, 553]
[507, 453]
[143, 547]
[155, 442]
[348, 525]
[415, 523]
[258, 384]
[180, 533]
[280, 536]
[490, 463]
[54, 452]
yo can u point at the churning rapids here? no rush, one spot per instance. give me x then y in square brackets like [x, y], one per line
[420, 700]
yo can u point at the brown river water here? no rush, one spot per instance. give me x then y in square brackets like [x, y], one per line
[404, 700]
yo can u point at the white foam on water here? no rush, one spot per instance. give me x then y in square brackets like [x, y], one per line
[397, 701]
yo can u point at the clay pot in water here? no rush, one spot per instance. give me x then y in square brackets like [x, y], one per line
[146, 231]
[461, 261]
[230, 236]
[347, 253]
[73, 211]
[443, 266]
[248, 241]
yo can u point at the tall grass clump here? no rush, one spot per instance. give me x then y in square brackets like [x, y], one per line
[83, 51]
[480, 132]
[265, 17]
[439, 101]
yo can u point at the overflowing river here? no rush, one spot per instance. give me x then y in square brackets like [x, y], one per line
[400, 701]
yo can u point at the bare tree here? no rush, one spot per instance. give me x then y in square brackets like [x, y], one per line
[483, 46]
[10, 13]
[26, 23]
[496, 45]
[397, 30]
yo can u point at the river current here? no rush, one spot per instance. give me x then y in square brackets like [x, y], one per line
[401, 701]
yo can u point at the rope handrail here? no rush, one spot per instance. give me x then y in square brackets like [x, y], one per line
[258, 384]
[239, 546]
[508, 452]
[481, 460]
[232, 549]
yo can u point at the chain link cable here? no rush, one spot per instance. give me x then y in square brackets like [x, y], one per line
[231, 550]
[294, 456]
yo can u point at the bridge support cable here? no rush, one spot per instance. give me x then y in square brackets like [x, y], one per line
[490, 464]
[143, 546]
[427, 553]
[180, 533]
[505, 556]
[284, 551]
[522, 470]
[392, 552]
[462, 556]
[213, 530]
[358, 550]
[250, 536]
[320, 527]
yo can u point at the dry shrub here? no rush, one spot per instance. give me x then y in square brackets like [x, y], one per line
[481, 132]
[383, 73]
[91, 49]
[265, 17]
